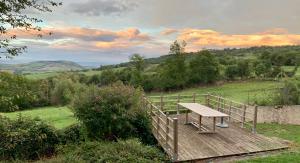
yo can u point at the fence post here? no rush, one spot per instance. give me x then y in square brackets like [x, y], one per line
[255, 119]
[151, 109]
[161, 103]
[194, 97]
[207, 100]
[248, 97]
[157, 125]
[219, 103]
[178, 101]
[167, 130]
[175, 134]
[244, 116]
[230, 104]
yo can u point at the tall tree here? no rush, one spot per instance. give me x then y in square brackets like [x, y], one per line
[138, 66]
[203, 68]
[13, 16]
[173, 70]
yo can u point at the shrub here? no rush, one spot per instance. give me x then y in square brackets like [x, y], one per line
[16, 92]
[289, 94]
[26, 139]
[113, 152]
[110, 112]
[7, 105]
[72, 134]
[64, 90]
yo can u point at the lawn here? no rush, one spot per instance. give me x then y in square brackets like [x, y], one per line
[59, 117]
[237, 91]
[288, 132]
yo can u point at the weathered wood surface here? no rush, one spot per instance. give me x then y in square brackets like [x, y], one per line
[202, 110]
[225, 142]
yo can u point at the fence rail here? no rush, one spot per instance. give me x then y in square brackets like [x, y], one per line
[238, 112]
[164, 128]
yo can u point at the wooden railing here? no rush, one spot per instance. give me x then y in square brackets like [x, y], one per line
[238, 112]
[164, 128]
[169, 103]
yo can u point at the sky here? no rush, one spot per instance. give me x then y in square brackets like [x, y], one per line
[99, 32]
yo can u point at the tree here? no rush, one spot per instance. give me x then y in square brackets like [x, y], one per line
[138, 66]
[173, 70]
[13, 16]
[177, 48]
[204, 68]
[243, 68]
[231, 72]
[138, 62]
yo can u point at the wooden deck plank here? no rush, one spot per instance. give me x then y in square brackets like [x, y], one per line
[225, 142]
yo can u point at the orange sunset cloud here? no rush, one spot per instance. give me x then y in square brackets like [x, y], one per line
[198, 38]
[69, 38]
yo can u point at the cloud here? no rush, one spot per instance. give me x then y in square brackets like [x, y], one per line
[76, 37]
[168, 31]
[199, 38]
[103, 7]
[275, 31]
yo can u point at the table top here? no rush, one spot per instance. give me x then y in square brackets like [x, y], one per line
[202, 110]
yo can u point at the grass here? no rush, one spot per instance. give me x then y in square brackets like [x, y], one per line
[288, 132]
[59, 117]
[44, 75]
[237, 91]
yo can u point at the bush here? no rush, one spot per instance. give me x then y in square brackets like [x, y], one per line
[16, 92]
[112, 152]
[7, 105]
[289, 94]
[72, 134]
[64, 90]
[26, 139]
[111, 112]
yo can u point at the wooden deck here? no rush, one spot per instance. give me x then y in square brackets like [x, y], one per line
[225, 142]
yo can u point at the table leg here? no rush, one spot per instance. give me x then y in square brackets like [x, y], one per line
[186, 117]
[214, 127]
[200, 122]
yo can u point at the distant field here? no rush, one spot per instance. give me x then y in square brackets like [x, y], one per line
[50, 74]
[41, 75]
[237, 91]
[59, 117]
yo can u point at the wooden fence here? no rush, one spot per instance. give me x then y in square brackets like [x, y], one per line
[238, 112]
[164, 128]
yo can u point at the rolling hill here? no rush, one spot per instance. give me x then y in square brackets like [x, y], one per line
[41, 66]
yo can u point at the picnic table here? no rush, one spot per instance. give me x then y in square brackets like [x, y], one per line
[203, 111]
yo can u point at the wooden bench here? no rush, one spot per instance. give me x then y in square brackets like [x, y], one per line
[202, 111]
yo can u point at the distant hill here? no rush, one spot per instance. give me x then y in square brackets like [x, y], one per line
[41, 66]
[235, 52]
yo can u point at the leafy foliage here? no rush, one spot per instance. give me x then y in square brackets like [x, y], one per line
[204, 68]
[118, 152]
[26, 139]
[111, 112]
[13, 15]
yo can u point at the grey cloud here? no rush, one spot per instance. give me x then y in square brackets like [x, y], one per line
[228, 16]
[103, 7]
